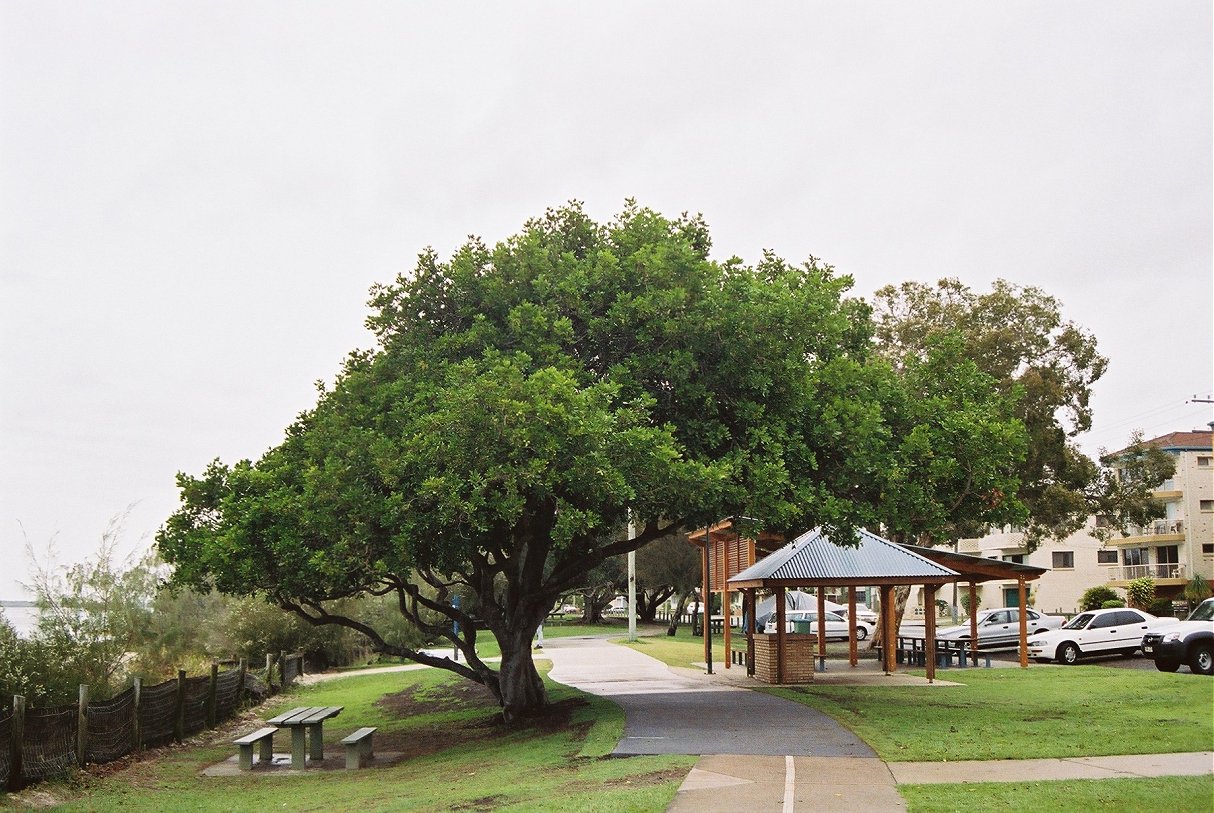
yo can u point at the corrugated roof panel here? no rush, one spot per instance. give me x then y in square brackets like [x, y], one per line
[812, 555]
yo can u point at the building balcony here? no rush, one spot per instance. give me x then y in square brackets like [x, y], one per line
[1157, 533]
[1164, 574]
[1167, 494]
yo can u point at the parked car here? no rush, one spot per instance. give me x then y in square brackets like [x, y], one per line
[1001, 627]
[862, 612]
[1095, 632]
[836, 625]
[1190, 641]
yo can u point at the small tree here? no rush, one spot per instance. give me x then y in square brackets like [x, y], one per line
[1197, 590]
[965, 602]
[1094, 597]
[1111, 604]
[1141, 592]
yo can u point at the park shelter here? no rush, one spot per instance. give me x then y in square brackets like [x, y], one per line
[724, 553]
[815, 560]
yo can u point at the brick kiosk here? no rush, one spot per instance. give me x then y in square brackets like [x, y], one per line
[799, 652]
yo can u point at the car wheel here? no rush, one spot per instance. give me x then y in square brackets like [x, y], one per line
[1167, 666]
[1068, 653]
[861, 633]
[1202, 659]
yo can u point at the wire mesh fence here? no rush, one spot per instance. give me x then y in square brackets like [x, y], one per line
[111, 728]
[45, 743]
[6, 736]
[49, 745]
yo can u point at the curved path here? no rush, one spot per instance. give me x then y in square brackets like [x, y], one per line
[680, 712]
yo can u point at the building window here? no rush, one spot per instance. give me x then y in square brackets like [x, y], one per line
[1064, 559]
[1207, 547]
[1017, 559]
[1106, 557]
[1167, 554]
[1134, 556]
[1103, 522]
[1205, 461]
[1207, 505]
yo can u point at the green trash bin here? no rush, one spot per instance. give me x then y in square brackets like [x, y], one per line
[802, 627]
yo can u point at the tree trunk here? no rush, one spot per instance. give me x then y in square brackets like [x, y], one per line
[901, 596]
[521, 689]
[678, 613]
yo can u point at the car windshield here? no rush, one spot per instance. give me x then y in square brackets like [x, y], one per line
[1204, 611]
[1078, 622]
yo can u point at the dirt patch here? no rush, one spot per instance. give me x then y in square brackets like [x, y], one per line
[483, 803]
[486, 724]
[647, 779]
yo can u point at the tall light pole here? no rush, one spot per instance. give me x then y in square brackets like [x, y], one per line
[632, 584]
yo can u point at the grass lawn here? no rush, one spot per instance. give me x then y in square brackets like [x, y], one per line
[1111, 795]
[459, 758]
[1005, 713]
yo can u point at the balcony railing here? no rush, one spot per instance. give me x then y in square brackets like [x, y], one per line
[1159, 528]
[1130, 572]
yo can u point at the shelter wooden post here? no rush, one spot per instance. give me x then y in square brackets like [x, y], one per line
[1024, 629]
[726, 623]
[853, 654]
[822, 625]
[779, 635]
[974, 620]
[750, 631]
[888, 628]
[929, 629]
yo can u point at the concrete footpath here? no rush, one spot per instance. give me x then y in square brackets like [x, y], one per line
[762, 753]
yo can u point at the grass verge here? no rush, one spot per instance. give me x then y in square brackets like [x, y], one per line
[1112, 795]
[458, 757]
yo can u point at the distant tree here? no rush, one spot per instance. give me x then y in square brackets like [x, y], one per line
[521, 402]
[667, 568]
[1123, 494]
[91, 615]
[1094, 597]
[1017, 336]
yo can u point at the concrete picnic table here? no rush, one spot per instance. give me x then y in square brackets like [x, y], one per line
[309, 717]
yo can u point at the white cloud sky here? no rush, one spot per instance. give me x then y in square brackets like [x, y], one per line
[195, 197]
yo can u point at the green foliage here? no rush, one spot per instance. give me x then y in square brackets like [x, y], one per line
[1140, 592]
[1197, 589]
[1017, 337]
[1110, 604]
[91, 616]
[1095, 597]
[525, 399]
[1124, 493]
[1161, 607]
[964, 599]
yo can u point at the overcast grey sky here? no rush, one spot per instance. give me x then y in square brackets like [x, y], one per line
[195, 197]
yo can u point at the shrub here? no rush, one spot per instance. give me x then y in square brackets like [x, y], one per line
[1111, 604]
[964, 598]
[1197, 590]
[1141, 592]
[1161, 607]
[1096, 597]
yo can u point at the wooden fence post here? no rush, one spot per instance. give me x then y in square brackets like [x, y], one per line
[270, 672]
[212, 695]
[82, 724]
[282, 669]
[138, 686]
[179, 708]
[243, 666]
[16, 735]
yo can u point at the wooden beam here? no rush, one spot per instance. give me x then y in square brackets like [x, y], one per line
[821, 623]
[1024, 628]
[974, 619]
[779, 635]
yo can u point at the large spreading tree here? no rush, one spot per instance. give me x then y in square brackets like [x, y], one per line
[522, 401]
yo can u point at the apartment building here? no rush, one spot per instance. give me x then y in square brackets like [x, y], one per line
[1170, 550]
[1174, 549]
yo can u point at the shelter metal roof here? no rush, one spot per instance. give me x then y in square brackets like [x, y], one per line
[812, 558]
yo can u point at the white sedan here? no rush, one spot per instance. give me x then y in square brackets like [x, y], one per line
[1001, 627]
[1095, 632]
[836, 625]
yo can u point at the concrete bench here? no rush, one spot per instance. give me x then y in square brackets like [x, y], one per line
[358, 748]
[264, 736]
